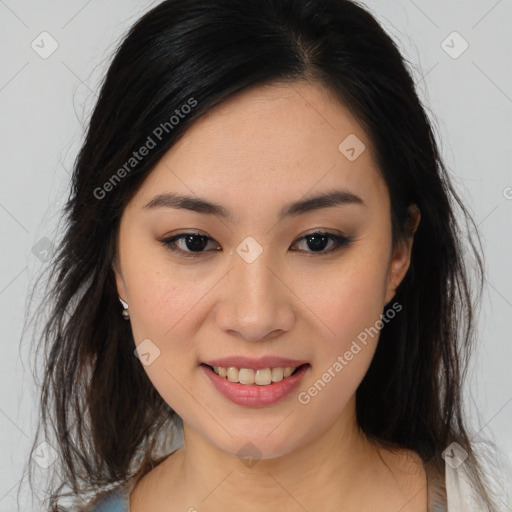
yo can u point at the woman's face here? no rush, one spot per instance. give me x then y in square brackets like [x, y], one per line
[258, 286]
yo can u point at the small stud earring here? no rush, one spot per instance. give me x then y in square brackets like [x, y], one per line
[125, 313]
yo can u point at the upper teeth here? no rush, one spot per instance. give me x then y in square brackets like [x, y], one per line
[249, 376]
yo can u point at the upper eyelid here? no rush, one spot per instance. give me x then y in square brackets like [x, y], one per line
[324, 231]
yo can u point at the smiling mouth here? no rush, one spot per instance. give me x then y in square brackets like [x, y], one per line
[249, 376]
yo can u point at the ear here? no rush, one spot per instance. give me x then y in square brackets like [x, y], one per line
[120, 284]
[401, 257]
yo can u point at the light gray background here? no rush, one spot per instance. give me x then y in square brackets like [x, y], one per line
[45, 103]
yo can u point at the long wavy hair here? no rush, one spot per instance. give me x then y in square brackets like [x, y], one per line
[98, 409]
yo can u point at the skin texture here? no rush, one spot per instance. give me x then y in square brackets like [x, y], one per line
[253, 154]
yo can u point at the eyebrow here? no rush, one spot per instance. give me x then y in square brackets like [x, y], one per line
[313, 203]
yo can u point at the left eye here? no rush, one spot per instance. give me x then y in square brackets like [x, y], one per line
[195, 243]
[318, 239]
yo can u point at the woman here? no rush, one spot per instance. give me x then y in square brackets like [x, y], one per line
[262, 250]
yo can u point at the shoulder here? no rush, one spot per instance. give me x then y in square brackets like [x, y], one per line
[406, 466]
[407, 475]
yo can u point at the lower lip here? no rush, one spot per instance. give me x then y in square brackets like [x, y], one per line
[254, 395]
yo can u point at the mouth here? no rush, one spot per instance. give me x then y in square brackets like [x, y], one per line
[259, 387]
[249, 376]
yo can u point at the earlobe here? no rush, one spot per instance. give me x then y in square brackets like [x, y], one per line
[400, 262]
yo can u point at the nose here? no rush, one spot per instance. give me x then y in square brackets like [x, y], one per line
[257, 303]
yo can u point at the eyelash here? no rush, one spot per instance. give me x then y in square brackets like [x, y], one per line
[339, 243]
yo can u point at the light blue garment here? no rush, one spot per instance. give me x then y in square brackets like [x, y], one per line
[115, 501]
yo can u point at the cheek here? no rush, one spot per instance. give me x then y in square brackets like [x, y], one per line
[163, 295]
[350, 313]
[347, 298]
[349, 305]
[161, 302]
[162, 310]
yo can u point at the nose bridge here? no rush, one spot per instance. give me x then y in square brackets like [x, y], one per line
[256, 303]
[254, 282]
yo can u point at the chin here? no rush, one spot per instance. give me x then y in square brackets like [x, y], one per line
[251, 448]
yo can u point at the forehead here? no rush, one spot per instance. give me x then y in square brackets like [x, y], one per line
[270, 143]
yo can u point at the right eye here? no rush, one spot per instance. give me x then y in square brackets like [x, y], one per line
[193, 244]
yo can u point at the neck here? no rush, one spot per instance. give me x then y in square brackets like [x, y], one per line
[324, 470]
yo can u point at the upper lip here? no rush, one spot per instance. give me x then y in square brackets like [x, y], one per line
[256, 364]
